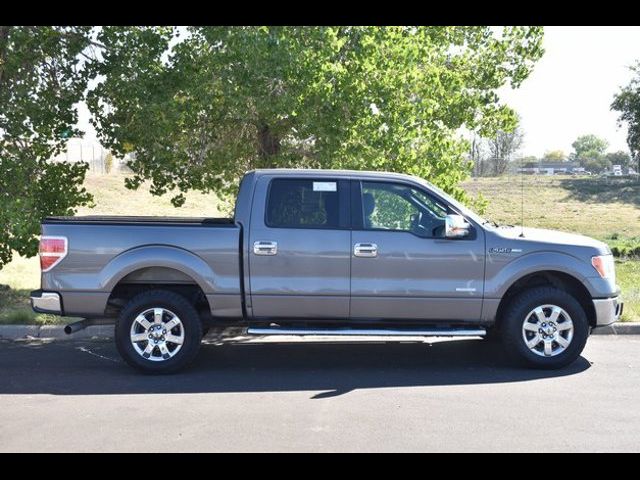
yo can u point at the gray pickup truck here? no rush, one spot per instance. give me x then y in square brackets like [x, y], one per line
[321, 252]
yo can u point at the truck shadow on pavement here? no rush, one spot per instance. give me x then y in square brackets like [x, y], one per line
[332, 369]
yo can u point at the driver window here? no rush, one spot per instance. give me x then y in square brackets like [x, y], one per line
[393, 206]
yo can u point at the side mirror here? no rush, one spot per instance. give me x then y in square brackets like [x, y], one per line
[455, 226]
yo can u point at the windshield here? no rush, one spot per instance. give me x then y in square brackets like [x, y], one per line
[453, 202]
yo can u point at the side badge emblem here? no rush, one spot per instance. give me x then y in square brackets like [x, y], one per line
[504, 250]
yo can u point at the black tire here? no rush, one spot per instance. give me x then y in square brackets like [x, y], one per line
[173, 302]
[515, 315]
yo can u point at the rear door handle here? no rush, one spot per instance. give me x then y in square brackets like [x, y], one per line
[365, 250]
[265, 248]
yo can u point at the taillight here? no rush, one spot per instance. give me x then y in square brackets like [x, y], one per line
[52, 251]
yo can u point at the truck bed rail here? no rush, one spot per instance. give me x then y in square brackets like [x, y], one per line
[134, 220]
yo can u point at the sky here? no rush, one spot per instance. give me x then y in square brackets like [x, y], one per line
[571, 88]
[569, 92]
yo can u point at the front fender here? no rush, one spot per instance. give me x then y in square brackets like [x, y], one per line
[158, 256]
[502, 272]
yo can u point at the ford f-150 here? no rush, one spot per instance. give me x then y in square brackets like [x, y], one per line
[321, 252]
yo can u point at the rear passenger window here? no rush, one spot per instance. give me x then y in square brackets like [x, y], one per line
[295, 203]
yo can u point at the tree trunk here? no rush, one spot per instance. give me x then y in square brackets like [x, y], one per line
[268, 146]
[4, 40]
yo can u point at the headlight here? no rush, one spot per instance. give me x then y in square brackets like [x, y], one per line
[604, 265]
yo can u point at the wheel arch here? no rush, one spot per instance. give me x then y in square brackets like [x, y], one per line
[160, 257]
[552, 278]
[146, 278]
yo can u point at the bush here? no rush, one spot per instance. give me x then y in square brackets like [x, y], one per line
[625, 248]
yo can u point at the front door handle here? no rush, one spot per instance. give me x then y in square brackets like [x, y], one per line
[365, 250]
[265, 248]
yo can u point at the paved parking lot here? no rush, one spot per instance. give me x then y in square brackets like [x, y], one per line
[446, 395]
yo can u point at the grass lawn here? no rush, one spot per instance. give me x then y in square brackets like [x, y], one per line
[585, 205]
[607, 211]
[628, 277]
[112, 198]
[22, 275]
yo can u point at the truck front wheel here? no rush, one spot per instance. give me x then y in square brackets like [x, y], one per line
[544, 328]
[158, 331]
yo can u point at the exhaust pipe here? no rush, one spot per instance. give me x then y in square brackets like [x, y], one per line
[87, 322]
[76, 326]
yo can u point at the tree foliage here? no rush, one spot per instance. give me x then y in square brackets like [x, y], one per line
[197, 108]
[627, 103]
[41, 79]
[530, 161]
[620, 157]
[589, 151]
[200, 110]
[589, 145]
[555, 156]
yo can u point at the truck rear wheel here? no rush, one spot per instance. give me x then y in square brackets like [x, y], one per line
[544, 328]
[158, 331]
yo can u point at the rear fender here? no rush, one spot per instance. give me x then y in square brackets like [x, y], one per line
[158, 256]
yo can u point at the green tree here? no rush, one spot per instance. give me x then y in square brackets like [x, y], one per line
[530, 161]
[555, 156]
[589, 152]
[201, 109]
[40, 81]
[620, 157]
[197, 110]
[627, 103]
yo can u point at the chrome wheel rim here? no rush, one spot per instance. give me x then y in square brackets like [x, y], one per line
[547, 330]
[157, 334]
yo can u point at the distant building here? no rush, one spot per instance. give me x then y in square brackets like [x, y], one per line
[552, 168]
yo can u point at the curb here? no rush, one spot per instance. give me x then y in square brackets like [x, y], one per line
[56, 332]
[620, 328]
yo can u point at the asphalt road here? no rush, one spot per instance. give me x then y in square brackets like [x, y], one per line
[446, 396]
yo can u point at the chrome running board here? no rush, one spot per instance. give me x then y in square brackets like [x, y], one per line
[377, 332]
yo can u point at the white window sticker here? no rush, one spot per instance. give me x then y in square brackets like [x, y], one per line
[325, 187]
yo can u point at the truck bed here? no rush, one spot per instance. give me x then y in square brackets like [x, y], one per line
[139, 220]
[105, 251]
